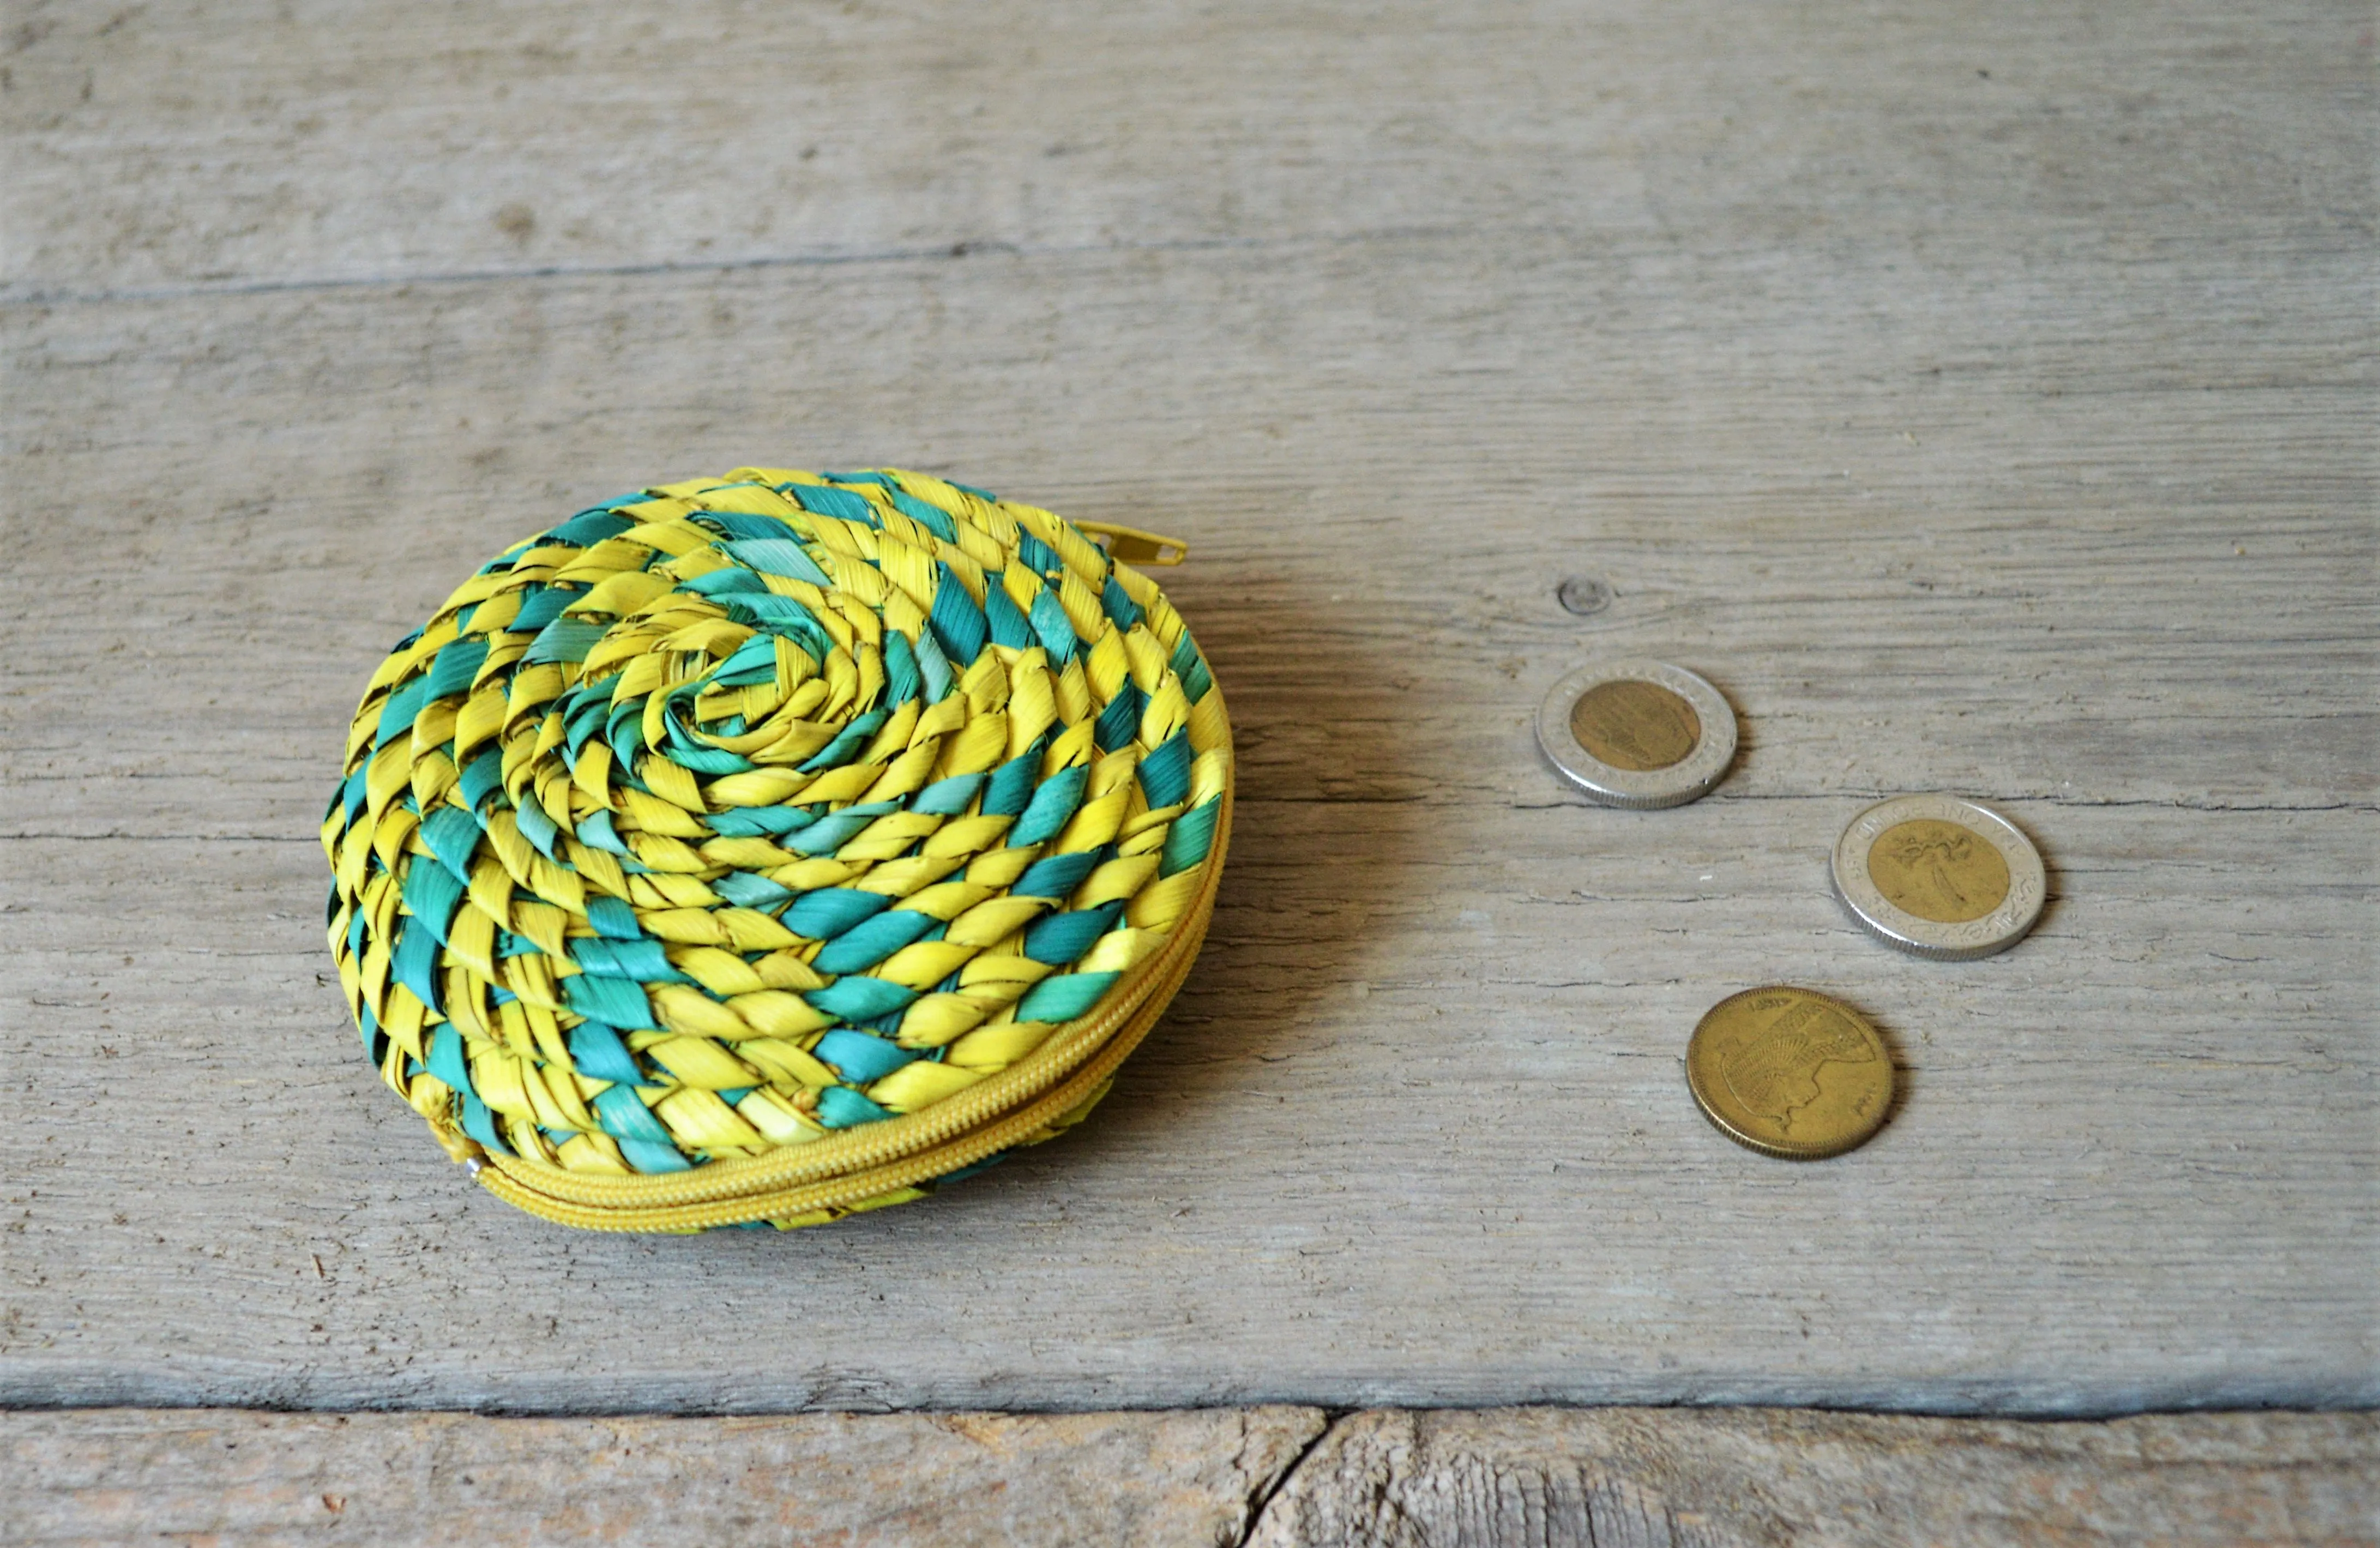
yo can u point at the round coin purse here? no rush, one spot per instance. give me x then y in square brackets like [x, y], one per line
[767, 849]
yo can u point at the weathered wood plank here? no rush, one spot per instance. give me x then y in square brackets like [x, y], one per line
[1641, 1478]
[1744, 1479]
[192, 142]
[2106, 579]
[2135, 1167]
[1967, 442]
[229, 1477]
[2091, 1199]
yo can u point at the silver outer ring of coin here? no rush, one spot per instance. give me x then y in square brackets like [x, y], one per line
[1895, 926]
[1690, 777]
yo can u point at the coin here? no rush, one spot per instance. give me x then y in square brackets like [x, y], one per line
[1790, 1072]
[1637, 732]
[1939, 877]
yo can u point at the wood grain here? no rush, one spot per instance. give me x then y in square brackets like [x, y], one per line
[1610, 1477]
[1985, 404]
[114, 1476]
[189, 144]
[1621, 1478]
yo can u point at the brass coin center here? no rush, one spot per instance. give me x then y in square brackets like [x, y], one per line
[1790, 1072]
[1629, 724]
[1939, 871]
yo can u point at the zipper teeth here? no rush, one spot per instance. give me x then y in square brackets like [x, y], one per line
[830, 1160]
[855, 1186]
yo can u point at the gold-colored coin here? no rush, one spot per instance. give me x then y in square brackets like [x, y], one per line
[1633, 725]
[1639, 734]
[1939, 871]
[1790, 1072]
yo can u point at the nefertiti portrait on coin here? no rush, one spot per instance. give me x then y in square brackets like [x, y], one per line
[1780, 1071]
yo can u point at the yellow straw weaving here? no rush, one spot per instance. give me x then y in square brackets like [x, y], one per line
[767, 849]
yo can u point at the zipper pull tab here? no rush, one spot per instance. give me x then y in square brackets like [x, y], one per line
[1133, 546]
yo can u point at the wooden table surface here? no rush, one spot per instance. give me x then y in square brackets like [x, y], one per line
[1982, 396]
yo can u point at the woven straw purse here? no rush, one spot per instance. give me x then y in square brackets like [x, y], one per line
[767, 849]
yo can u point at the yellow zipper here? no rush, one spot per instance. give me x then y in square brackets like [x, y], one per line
[862, 1164]
[1135, 547]
[859, 1186]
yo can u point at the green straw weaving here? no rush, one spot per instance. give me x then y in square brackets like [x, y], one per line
[767, 849]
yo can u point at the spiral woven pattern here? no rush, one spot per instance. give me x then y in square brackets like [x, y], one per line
[732, 814]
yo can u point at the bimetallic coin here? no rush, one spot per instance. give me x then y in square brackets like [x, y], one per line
[1939, 877]
[1790, 1072]
[1637, 732]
